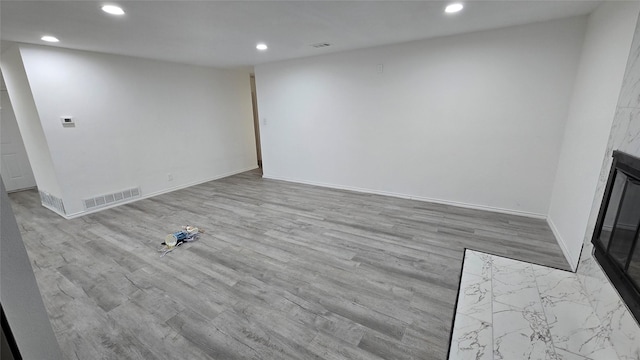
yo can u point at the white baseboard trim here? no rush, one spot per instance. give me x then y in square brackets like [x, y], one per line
[21, 189]
[571, 259]
[156, 193]
[412, 197]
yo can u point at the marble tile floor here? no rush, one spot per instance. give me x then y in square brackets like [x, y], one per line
[509, 309]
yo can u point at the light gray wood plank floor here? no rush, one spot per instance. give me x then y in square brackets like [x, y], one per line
[284, 271]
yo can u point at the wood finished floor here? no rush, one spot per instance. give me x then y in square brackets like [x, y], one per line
[284, 271]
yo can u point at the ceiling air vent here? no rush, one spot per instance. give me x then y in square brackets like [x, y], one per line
[320, 45]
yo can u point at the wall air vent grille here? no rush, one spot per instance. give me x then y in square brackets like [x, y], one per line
[109, 199]
[52, 202]
[89, 203]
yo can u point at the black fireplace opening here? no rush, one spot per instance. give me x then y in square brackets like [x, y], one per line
[616, 238]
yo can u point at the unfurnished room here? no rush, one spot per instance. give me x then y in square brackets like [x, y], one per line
[320, 180]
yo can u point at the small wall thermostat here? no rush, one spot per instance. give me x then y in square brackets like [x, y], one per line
[67, 121]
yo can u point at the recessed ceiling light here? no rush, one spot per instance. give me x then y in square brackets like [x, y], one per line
[453, 8]
[262, 46]
[113, 10]
[49, 38]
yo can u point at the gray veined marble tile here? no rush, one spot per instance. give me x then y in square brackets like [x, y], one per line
[472, 339]
[628, 138]
[478, 263]
[504, 264]
[606, 302]
[475, 297]
[540, 312]
[587, 265]
[630, 94]
[624, 333]
[615, 320]
[557, 286]
[576, 328]
[562, 354]
[521, 333]
[514, 284]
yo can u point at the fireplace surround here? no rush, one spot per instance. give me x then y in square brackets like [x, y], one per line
[616, 238]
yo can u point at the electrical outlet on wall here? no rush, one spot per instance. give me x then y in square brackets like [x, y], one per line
[170, 177]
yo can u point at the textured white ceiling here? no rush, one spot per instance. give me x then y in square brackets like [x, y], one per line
[224, 33]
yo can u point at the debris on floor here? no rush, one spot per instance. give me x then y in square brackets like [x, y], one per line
[187, 234]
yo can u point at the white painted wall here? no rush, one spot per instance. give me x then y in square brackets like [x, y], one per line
[593, 105]
[14, 161]
[24, 108]
[138, 121]
[472, 119]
